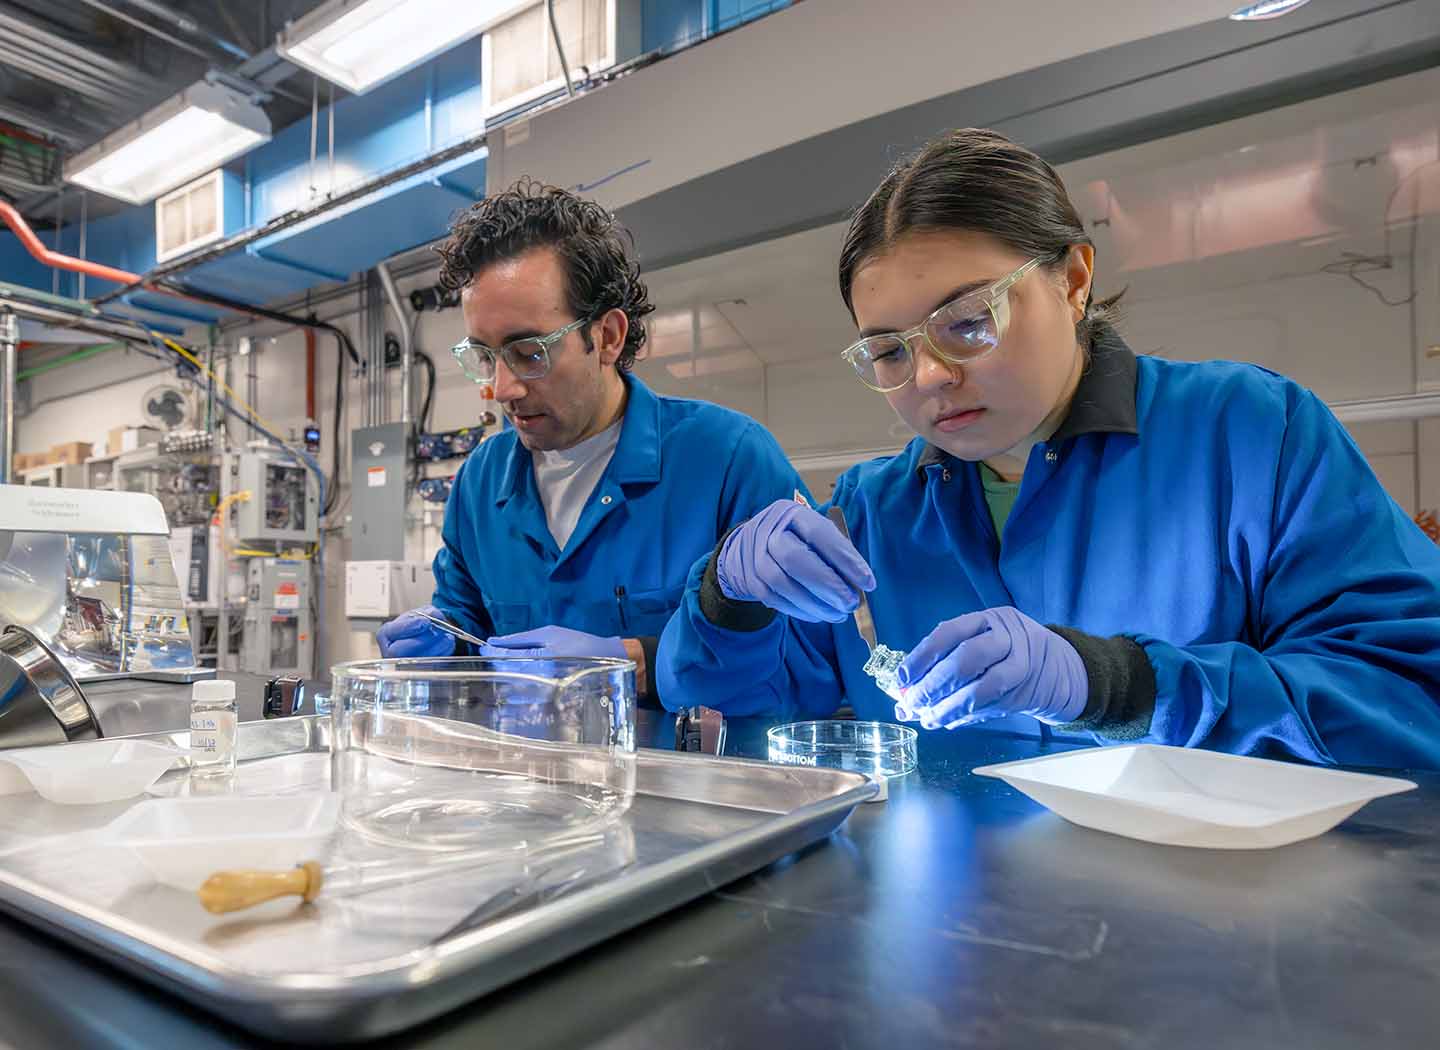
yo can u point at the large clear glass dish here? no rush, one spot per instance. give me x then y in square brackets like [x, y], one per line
[465, 753]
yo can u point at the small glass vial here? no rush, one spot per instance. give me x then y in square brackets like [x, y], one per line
[213, 717]
[882, 666]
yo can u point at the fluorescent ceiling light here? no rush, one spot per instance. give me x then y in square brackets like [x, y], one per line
[360, 43]
[181, 139]
[1266, 9]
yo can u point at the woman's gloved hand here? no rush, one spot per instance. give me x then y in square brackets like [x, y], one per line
[793, 560]
[412, 635]
[553, 641]
[989, 664]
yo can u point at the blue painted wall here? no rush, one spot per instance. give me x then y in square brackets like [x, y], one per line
[427, 109]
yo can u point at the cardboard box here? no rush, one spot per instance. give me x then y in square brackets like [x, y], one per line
[128, 439]
[76, 452]
[26, 460]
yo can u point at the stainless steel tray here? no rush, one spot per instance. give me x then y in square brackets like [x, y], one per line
[696, 824]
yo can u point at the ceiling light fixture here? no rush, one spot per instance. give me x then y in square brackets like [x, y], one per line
[179, 140]
[1266, 9]
[358, 44]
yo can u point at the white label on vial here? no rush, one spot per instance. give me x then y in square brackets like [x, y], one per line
[212, 736]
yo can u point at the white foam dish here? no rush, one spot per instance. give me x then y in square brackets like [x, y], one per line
[1187, 797]
[183, 841]
[91, 771]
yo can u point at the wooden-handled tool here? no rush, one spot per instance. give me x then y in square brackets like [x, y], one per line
[227, 891]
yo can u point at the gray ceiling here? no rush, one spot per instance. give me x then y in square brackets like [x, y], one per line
[71, 71]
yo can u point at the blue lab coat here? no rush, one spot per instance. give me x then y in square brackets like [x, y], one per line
[1217, 514]
[682, 473]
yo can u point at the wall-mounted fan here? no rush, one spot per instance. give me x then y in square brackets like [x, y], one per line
[165, 407]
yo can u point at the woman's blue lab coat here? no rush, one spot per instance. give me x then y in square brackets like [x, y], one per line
[1215, 513]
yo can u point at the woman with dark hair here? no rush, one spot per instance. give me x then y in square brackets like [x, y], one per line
[1118, 547]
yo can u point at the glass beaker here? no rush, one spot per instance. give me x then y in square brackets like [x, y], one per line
[480, 754]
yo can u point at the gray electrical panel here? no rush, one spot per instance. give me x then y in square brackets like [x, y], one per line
[279, 625]
[284, 500]
[378, 483]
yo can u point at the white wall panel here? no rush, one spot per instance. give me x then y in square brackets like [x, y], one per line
[805, 70]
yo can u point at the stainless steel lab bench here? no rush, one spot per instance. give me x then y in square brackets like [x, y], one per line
[958, 913]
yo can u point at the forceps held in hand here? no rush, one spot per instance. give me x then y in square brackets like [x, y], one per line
[449, 628]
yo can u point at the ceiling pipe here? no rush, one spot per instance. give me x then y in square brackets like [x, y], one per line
[146, 27]
[189, 25]
[559, 48]
[407, 351]
[9, 338]
[36, 247]
[51, 56]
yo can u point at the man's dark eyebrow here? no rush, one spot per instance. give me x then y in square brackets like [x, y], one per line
[953, 294]
[510, 337]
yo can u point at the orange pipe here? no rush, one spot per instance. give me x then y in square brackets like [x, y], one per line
[36, 247]
[32, 243]
[310, 374]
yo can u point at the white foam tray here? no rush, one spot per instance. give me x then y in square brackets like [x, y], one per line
[86, 772]
[1187, 797]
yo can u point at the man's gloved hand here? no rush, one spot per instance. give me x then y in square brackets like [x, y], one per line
[793, 560]
[989, 664]
[411, 635]
[553, 641]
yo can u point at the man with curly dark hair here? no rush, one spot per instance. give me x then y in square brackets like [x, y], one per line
[571, 532]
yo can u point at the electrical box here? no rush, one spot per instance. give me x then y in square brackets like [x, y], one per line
[279, 625]
[378, 590]
[379, 479]
[284, 501]
[195, 550]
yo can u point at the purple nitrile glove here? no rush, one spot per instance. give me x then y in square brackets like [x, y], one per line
[989, 664]
[411, 635]
[553, 641]
[793, 560]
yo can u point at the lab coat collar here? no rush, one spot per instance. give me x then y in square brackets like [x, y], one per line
[1104, 401]
[637, 455]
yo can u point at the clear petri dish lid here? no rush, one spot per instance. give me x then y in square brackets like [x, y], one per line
[878, 749]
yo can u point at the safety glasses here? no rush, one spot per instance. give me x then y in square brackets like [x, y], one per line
[527, 358]
[963, 330]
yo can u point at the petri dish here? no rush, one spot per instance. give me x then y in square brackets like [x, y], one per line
[878, 749]
[483, 755]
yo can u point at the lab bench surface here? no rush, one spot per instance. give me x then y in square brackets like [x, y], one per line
[956, 914]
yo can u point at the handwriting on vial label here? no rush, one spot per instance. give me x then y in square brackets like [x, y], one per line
[212, 735]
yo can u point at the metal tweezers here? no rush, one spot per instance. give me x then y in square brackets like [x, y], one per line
[514, 899]
[449, 628]
[863, 620]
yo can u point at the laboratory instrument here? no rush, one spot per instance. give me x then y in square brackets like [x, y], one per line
[449, 628]
[213, 726]
[293, 975]
[447, 753]
[883, 663]
[880, 750]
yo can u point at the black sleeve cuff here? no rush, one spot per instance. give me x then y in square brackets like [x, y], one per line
[727, 612]
[1122, 686]
[650, 698]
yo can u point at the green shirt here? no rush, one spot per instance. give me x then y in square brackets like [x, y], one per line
[999, 497]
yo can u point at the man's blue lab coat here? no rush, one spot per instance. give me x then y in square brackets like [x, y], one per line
[682, 474]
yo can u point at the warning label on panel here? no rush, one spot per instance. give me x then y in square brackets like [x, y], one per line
[287, 596]
[376, 477]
